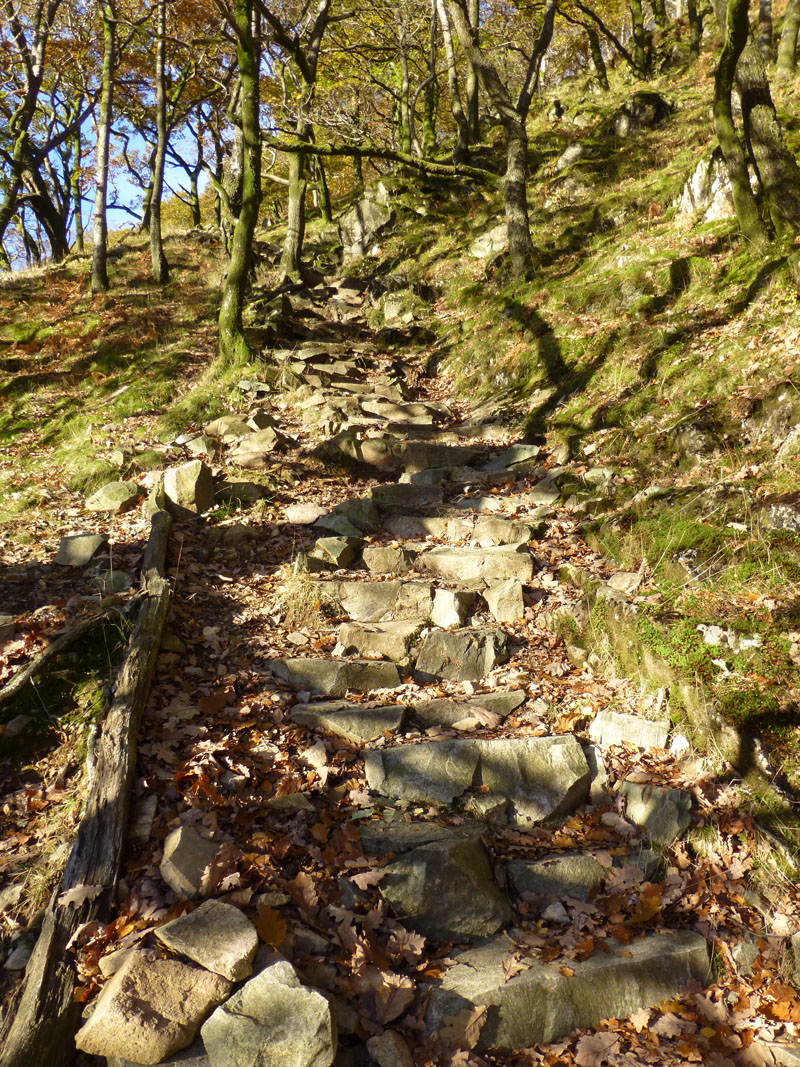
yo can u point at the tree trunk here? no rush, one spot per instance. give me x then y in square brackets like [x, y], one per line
[765, 28]
[358, 174]
[735, 33]
[291, 259]
[695, 27]
[461, 150]
[598, 63]
[659, 13]
[100, 249]
[325, 207]
[194, 198]
[774, 164]
[637, 36]
[158, 260]
[431, 93]
[473, 85]
[75, 190]
[233, 346]
[403, 106]
[787, 48]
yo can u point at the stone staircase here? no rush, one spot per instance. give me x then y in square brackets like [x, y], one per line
[491, 833]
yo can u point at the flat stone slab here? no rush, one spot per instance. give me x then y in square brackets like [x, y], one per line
[559, 877]
[519, 453]
[505, 600]
[538, 776]
[446, 712]
[150, 1008]
[217, 936]
[391, 640]
[452, 606]
[193, 1056]
[381, 559]
[354, 722]
[405, 495]
[419, 455]
[459, 655]
[77, 550]
[383, 601]
[541, 1004]
[272, 1021]
[189, 489]
[186, 856]
[382, 838]
[115, 497]
[663, 812]
[614, 727]
[446, 890]
[332, 677]
[492, 530]
[490, 564]
[418, 527]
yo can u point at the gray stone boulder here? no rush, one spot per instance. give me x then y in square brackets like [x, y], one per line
[305, 513]
[332, 677]
[446, 712]
[384, 601]
[228, 426]
[217, 936]
[390, 1049]
[663, 812]
[775, 415]
[539, 776]
[468, 564]
[405, 495]
[783, 513]
[519, 453]
[567, 877]
[708, 189]
[391, 640]
[186, 856]
[614, 727]
[504, 600]
[492, 530]
[644, 111]
[115, 497]
[541, 1004]
[354, 722]
[451, 607]
[359, 226]
[491, 243]
[419, 455]
[193, 1056]
[189, 489]
[459, 655]
[446, 890]
[383, 559]
[257, 448]
[334, 553]
[76, 550]
[150, 1008]
[396, 838]
[272, 1021]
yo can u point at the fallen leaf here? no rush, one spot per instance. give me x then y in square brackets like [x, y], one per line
[270, 925]
[594, 1049]
[79, 894]
[464, 1029]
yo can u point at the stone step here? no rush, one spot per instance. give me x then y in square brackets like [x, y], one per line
[383, 601]
[421, 455]
[446, 711]
[333, 677]
[354, 722]
[543, 1003]
[540, 777]
[459, 655]
[391, 640]
[489, 564]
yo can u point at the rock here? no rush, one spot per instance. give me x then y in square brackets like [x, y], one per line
[217, 936]
[775, 415]
[361, 512]
[598, 791]
[354, 722]
[664, 813]
[332, 677]
[150, 1008]
[505, 601]
[228, 426]
[570, 876]
[495, 531]
[115, 497]
[418, 527]
[17, 959]
[405, 495]
[391, 640]
[383, 838]
[419, 455]
[541, 1004]
[519, 453]
[491, 243]
[644, 111]
[380, 559]
[7, 627]
[783, 512]
[489, 564]
[708, 189]
[459, 655]
[445, 712]
[241, 492]
[272, 1021]
[571, 154]
[305, 514]
[625, 581]
[359, 226]
[614, 727]
[77, 550]
[380, 452]
[257, 448]
[452, 607]
[384, 601]
[113, 582]
[335, 552]
[540, 776]
[202, 445]
[140, 824]
[189, 489]
[446, 890]
[194, 1056]
[389, 1049]
[545, 492]
[186, 856]
[261, 420]
[16, 726]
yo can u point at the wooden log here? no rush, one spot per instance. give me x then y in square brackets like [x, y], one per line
[41, 1028]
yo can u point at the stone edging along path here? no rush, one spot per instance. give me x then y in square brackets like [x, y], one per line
[500, 878]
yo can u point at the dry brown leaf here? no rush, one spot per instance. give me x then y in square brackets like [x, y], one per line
[270, 925]
[464, 1029]
[594, 1049]
[79, 894]
[367, 878]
